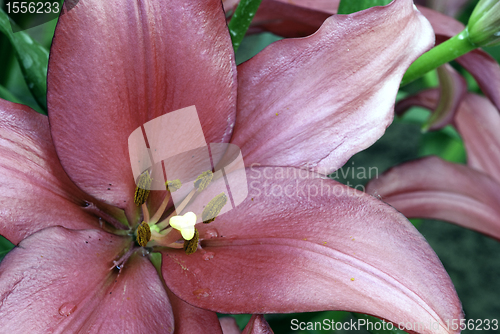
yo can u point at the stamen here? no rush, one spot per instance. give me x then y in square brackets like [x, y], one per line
[143, 188]
[145, 212]
[173, 185]
[213, 208]
[123, 259]
[92, 208]
[143, 234]
[160, 210]
[203, 180]
[190, 246]
[164, 223]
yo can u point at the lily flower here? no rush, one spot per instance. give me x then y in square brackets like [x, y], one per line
[296, 18]
[303, 17]
[437, 189]
[85, 260]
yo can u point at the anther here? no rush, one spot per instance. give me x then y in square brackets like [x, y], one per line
[143, 188]
[213, 208]
[190, 246]
[203, 180]
[173, 185]
[143, 234]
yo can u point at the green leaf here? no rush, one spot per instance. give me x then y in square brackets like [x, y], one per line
[6, 59]
[33, 60]
[155, 259]
[253, 44]
[6, 95]
[376, 325]
[445, 144]
[241, 20]
[416, 222]
[352, 6]
[5, 247]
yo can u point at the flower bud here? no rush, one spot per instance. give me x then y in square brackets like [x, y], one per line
[484, 23]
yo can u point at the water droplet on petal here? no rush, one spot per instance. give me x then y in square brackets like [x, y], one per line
[211, 233]
[202, 293]
[208, 255]
[66, 309]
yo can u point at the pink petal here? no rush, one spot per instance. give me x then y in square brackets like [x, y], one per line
[327, 6]
[453, 89]
[60, 281]
[230, 5]
[302, 243]
[190, 319]
[115, 66]
[36, 192]
[292, 19]
[478, 122]
[229, 325]
[437, 189]
[426, 98]
[441, 24]
[486, 71]
[257, 325]
[316, 101]
[449, 7]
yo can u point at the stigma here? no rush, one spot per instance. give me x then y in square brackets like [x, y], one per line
[184, 224]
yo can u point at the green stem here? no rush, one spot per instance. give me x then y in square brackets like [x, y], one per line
[441, 54]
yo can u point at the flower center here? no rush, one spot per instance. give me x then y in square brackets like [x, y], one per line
[176, 230]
